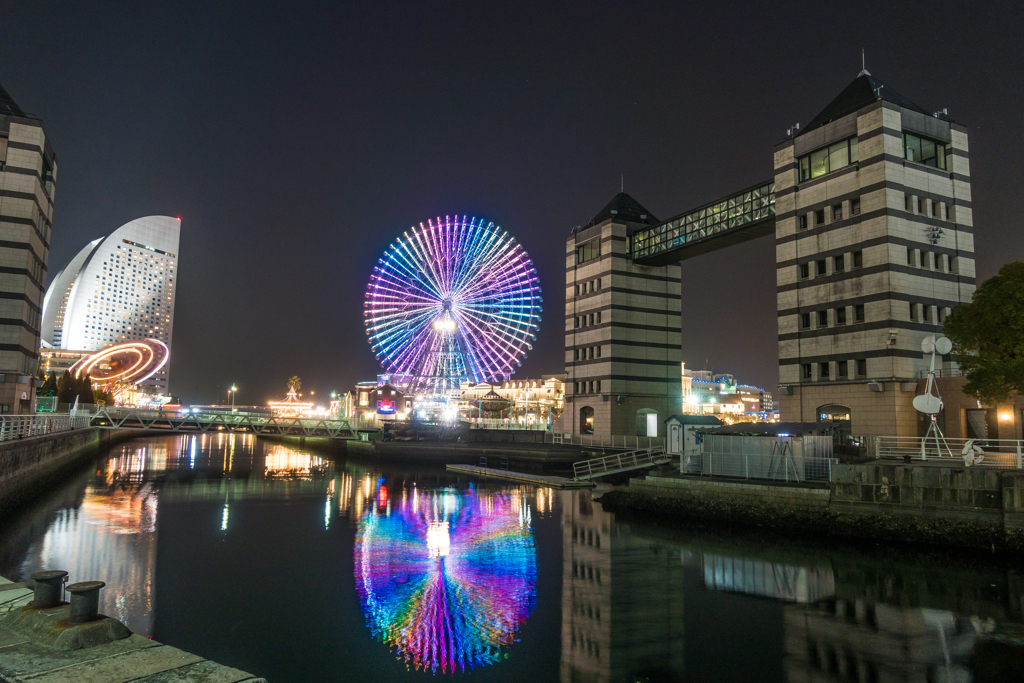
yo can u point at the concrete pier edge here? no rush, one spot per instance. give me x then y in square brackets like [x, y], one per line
[951, 506]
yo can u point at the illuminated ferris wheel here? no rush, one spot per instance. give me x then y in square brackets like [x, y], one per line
[450, 301]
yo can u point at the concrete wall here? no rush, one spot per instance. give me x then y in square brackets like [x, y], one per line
[28, 466]
[939, 505]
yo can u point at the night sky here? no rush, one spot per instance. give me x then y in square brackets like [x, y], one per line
[296, 140]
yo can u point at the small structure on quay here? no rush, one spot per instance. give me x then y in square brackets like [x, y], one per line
[291, 406]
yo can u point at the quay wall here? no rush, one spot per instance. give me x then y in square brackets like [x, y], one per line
[31, 465]
[891, 503]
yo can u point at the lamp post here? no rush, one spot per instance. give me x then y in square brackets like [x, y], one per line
[232, 391]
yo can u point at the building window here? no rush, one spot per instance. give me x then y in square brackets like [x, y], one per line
[599, 317]
[947, 212]
[925, 151]
[858, 313]
[911, 260]
[590, 352]
[920, 206]
[819, 217]
[927, 310]
[576, 322]
[841, 316]
[805, 371]
[829, 159]
[598, 351]
[823, 371]
[839, 263]
[935, 209]
[822, 268]
[913, 311]
[576, 354]
[804, 270]
[822, 318]
[841, 369]
[577, 291]
[597, 386]
[802, 224]
[908, 202]
[862, 368]
[589, 251]
[837, 212]
[599, 283]
[805, 321]
[855, 206]
[858, 259]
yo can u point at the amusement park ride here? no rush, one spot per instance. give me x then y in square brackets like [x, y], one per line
[120, 368]
[451, 301]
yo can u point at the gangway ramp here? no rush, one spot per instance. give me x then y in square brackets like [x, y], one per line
[620, 462]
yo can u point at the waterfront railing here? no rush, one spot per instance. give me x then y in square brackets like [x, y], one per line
[22, 426]
[623, 442]
[997, 453]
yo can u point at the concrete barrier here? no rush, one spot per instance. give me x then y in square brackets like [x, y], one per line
[921, 504]
[31, 465]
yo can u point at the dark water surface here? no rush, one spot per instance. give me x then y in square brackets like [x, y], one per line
[301, 567]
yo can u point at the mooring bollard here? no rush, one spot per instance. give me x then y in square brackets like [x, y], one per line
[85, 601]
[46, 593]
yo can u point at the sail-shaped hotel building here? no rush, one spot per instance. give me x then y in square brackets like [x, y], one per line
[117, 289]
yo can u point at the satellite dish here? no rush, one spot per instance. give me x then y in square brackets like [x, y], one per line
[929, 404]
[928, 344]
[943, 346]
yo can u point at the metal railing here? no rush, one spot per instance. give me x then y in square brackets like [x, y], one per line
[21, 426]
[623, 442]
[956, 372]
[499, 423]
[778, 467]
[999, 453]
[619, 462]
[217, 422]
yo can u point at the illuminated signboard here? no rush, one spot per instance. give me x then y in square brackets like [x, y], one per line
[385, 405]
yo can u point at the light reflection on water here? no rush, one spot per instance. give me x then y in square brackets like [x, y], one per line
[440, 574]
[446, 577]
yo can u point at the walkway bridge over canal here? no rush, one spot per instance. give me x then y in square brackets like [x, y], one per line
[228, 423]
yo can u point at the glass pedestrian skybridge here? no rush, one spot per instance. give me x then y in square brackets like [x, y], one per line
[740, 217]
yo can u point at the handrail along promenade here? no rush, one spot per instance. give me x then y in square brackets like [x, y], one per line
[22, 426]
[619, 462]
[229, 423]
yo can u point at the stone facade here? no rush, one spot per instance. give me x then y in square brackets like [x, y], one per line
[28, 171]
[871, 256]
[622, 331]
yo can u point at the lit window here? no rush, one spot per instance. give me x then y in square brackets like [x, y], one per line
[925, 151]
[829, 159]
[588, 251]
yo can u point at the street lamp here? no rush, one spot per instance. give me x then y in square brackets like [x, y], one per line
[232, 391]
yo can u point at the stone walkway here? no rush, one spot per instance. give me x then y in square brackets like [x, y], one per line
[135, 658]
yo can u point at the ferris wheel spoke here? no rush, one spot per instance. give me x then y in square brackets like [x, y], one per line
[491, 284]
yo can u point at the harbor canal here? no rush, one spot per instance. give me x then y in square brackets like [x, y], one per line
[299, 566]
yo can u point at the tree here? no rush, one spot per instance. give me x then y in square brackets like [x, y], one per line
[85, 392]
[67, 388]
[988, 336]
[295, 383]
[49, 387]
[102, 398]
